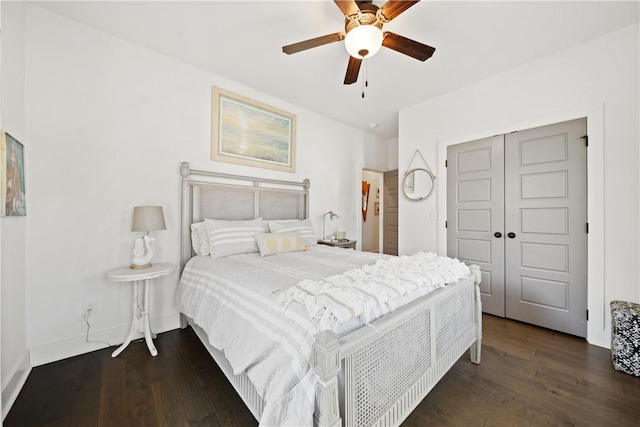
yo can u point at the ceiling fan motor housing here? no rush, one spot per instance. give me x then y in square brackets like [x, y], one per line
[368, 15]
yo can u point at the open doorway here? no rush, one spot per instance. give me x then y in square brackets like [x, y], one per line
[372, 217]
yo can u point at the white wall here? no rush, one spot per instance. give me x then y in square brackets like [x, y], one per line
[392, 154]
[15, 356]
[597, 79]
[108, 123]
[376, 153]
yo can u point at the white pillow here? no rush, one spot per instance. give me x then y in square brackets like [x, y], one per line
[303, 227]
[200, 238]
[232, 237]
[279, 243]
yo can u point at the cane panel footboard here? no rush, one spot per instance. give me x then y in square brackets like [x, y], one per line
[384, 379]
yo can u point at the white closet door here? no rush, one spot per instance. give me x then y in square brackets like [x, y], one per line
[546, 226]
[475, 214]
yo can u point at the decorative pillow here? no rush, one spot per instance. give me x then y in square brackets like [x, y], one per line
[303, 227]
[232, 237]
[279, 243]
[200, 238]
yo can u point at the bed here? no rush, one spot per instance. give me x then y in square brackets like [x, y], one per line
[362, 371]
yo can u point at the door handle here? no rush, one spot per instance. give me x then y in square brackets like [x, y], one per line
[511, 235]
[497, 234]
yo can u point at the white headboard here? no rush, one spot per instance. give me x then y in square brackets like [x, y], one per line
[224, 196]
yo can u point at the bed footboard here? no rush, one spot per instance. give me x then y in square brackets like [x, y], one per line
[476, 347]
[326, 363]
[377, 375]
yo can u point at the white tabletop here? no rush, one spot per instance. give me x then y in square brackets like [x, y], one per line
[128, 274]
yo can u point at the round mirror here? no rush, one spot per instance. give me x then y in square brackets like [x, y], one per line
[418, 184]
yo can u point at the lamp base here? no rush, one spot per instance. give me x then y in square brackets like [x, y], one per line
[138, 267]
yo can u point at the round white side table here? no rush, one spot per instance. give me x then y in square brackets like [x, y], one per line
[140, 321]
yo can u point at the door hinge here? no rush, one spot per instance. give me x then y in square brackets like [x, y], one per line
[587, 228]
[587, 314]
[445, 224]
[446, 163]
[586, 140]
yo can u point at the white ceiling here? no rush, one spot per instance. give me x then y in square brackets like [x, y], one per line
[242, 40]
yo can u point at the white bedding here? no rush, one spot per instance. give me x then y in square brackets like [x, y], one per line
[361, 292]
[234, 300]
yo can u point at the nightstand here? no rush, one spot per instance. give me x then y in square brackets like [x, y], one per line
[347, 244]
[140, 321]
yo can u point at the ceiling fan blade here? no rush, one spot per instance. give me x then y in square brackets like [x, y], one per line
[393, 8]
[308, 44]
[347, 7]
[353, 68]
[409, 47]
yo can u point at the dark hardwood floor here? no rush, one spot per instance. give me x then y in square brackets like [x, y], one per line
[529, 376]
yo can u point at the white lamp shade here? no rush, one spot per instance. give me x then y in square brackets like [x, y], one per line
[148, 218]
[363, 41]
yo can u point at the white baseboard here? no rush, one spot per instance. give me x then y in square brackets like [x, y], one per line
[13, 382]
[601, 338]
[74, 346]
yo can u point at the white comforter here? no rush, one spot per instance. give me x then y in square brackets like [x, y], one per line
[234, 299]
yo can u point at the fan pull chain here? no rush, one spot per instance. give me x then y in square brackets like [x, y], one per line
[365, 81]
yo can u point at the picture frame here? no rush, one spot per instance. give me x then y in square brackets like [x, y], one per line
[250, 133]
[365, 199]
[12, 188]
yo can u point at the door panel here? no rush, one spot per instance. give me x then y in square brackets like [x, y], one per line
[544, 292]
[545, 185]
[474, 220]
[474, 190]
[475, 211]
[545, 221]
[546, 209]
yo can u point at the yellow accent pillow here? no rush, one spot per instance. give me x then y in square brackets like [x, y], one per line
[279, 243]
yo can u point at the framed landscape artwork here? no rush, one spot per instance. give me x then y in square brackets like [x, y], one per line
[250, 133]
[11, 176]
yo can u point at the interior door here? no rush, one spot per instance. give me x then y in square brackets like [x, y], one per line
[475, 214]
[546, 226]
[390, 217]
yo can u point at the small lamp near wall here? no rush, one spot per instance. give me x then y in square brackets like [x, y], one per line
[332, 216]
[145, 218]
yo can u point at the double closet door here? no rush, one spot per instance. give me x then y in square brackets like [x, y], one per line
[517, 207]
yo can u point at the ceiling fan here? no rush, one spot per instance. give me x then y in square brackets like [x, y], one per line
[363, 34]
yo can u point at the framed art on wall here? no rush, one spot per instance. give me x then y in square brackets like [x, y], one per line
[250, 133]
[12, 176]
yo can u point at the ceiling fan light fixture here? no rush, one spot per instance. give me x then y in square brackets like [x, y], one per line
[363, 41]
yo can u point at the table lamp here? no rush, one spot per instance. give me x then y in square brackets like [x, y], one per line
[145, 218]
[332, 216]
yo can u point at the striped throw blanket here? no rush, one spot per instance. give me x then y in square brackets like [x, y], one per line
[362, 291]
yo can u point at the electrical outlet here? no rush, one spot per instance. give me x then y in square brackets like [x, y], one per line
[90, 305]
